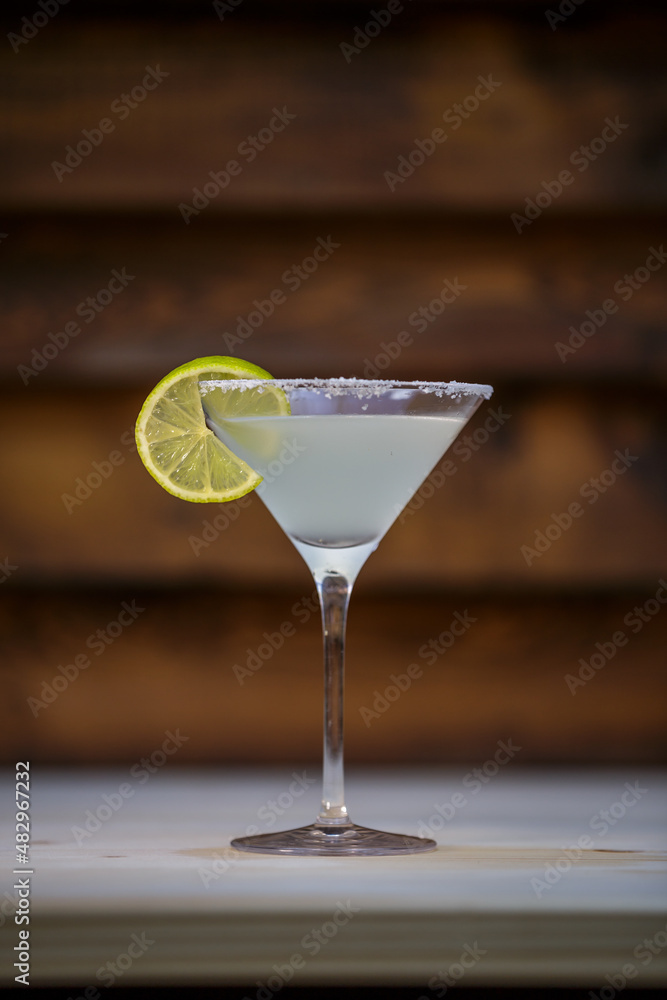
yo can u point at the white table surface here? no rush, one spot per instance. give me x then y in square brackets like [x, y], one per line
[160, 868]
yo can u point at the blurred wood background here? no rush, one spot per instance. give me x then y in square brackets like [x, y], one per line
[84, 529]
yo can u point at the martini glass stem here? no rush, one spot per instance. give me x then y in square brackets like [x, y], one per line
[334, 590]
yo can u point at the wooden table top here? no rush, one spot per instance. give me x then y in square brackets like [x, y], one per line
[540, 878]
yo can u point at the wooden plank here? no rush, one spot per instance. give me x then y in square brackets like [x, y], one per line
[160, 872]
[548, 93]
[82, 507]
[520, 306]
[551, 673]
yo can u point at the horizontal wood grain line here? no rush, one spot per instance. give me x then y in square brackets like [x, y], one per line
[544, 97]
[201, 660]
[470, 298]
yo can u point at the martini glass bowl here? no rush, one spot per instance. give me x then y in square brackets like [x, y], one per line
[337, 470]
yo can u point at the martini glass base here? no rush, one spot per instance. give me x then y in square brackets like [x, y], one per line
[333, 841]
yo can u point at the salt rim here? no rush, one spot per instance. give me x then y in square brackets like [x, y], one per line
[341, 386]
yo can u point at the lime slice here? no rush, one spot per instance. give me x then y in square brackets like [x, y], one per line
[175, 443]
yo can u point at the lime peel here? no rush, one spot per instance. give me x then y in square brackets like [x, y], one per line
[175, 443]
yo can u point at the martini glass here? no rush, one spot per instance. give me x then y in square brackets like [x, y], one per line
[337, 471]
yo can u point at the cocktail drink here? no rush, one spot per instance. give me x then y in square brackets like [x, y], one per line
[335, 461]
[336, 472]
